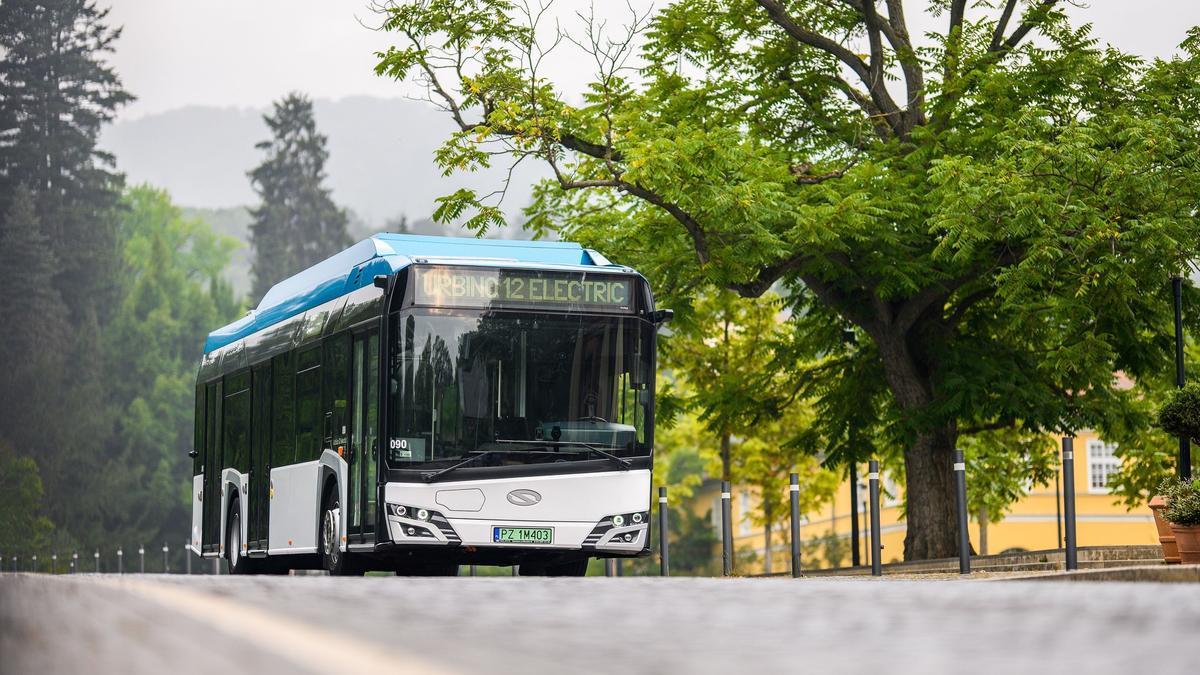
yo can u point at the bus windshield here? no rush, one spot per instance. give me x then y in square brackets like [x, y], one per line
[517, 387]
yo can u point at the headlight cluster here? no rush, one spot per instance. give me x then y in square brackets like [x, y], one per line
[412, 513]
[635, 518]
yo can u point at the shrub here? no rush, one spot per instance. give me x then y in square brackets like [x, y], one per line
[1180, 415]
[1183, 501]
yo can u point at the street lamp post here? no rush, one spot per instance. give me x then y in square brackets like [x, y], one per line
[1185, 445]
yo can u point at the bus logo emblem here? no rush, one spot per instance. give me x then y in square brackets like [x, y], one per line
[524, 497]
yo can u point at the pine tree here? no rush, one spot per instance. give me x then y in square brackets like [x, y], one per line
[35, 326]
[56, 92]
[297, 223]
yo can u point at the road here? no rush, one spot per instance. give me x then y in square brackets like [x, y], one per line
[179, 625]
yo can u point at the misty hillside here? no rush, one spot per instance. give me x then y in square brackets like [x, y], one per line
[380, 157]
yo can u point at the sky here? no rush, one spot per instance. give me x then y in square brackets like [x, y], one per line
[246, 53]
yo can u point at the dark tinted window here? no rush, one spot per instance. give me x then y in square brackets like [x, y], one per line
[308, 405]
[237, 422]
[283, 411]
[336, 370]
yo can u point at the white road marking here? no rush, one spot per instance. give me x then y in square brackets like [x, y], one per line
[317, 648]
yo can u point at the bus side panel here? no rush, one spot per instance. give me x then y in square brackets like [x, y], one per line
[197, 512]
[294, 503]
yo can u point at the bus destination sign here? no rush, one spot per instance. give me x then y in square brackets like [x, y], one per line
[473, 287]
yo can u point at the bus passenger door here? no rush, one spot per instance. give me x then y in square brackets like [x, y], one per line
[212, 468]
[363, 444]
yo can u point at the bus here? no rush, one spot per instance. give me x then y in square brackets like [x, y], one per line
[416, 403]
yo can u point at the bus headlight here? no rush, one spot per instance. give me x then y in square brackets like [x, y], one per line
[618, 520]
[422, 514]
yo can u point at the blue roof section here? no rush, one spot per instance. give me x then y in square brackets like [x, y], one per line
[387, 253]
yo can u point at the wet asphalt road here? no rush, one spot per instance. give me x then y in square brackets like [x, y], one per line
[178, 624]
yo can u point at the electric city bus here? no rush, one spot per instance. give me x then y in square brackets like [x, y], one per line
[414, 403]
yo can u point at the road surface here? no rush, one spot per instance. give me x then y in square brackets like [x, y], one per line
[179, 625]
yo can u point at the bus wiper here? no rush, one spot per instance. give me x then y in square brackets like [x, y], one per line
[625, 464]
[430, 476]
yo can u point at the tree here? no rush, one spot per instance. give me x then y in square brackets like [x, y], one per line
[36, 332]
[23, 527]
[994, 219]
[56, 92]
[296, 224]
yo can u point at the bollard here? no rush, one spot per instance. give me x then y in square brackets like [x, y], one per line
[960, 491]
[617, 566]
[74, 562]
[664, 564]
[473, 570]
[855, 557]
[34, 563]
[141, 559]
[120, 561]
[187, 557]
[166, 562]
[873, 486]
[216, 565]
[53, 563]
[514, 570]
[794, 488]
[1068, 459]
[726, 530]
[96, 555]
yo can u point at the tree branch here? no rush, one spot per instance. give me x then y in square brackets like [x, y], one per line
[875, 87]
[1002, 25]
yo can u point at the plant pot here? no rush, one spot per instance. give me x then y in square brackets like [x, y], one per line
[1187, 537]
[1166, 538]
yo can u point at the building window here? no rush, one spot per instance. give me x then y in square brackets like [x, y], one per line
[1102, 464]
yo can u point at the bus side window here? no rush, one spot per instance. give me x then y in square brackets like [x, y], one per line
[308, 405]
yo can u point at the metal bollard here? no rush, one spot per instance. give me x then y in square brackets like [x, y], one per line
[74, 562]
[120, 561]
[617, 566]
[664, 564]
[960, 491]
[187, 557]
[473, 570]
[726, 530]
[53, 563]
[873, 486]
[855, 556]
[216, 565]
[1068, 459]
[34, 568]
[141, 559]
[96, 555]
[794, 488]
[166, 561]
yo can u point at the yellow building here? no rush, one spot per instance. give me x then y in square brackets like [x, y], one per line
[1031, 524]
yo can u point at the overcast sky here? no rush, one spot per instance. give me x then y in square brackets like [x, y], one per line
[245, 53]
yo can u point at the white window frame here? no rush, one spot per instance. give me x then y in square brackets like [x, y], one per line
[1101, 458]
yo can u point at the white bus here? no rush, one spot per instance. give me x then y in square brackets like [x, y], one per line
[417, 403]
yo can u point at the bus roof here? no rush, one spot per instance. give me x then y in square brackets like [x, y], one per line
[387, 253]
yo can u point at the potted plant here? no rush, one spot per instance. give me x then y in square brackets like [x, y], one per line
[1183, 513]
[1178, 416]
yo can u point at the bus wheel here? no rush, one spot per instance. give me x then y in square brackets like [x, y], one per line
[333, 559]
[238, 563]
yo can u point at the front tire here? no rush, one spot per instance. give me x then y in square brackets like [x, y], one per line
[238, 562]
[333, 558]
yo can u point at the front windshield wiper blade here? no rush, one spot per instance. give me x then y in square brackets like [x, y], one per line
[625, 464]
[430, 476]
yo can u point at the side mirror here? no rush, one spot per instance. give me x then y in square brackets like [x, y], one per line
[661, 316]
[193, 454]
[381, 281]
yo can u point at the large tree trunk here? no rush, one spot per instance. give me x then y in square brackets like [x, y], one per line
[932, 525]
[929, 461]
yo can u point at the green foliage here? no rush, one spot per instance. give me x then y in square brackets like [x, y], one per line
[1179, 415]
[830, 548]
[296, 223]
[1002, 466]
[995, 226]
[1183, 501]
[22, 525]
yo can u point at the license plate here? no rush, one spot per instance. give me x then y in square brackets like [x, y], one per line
[522, 535]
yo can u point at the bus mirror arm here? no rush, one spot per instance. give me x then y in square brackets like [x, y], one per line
[193, 454]
[661, 316]
[381, 281]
